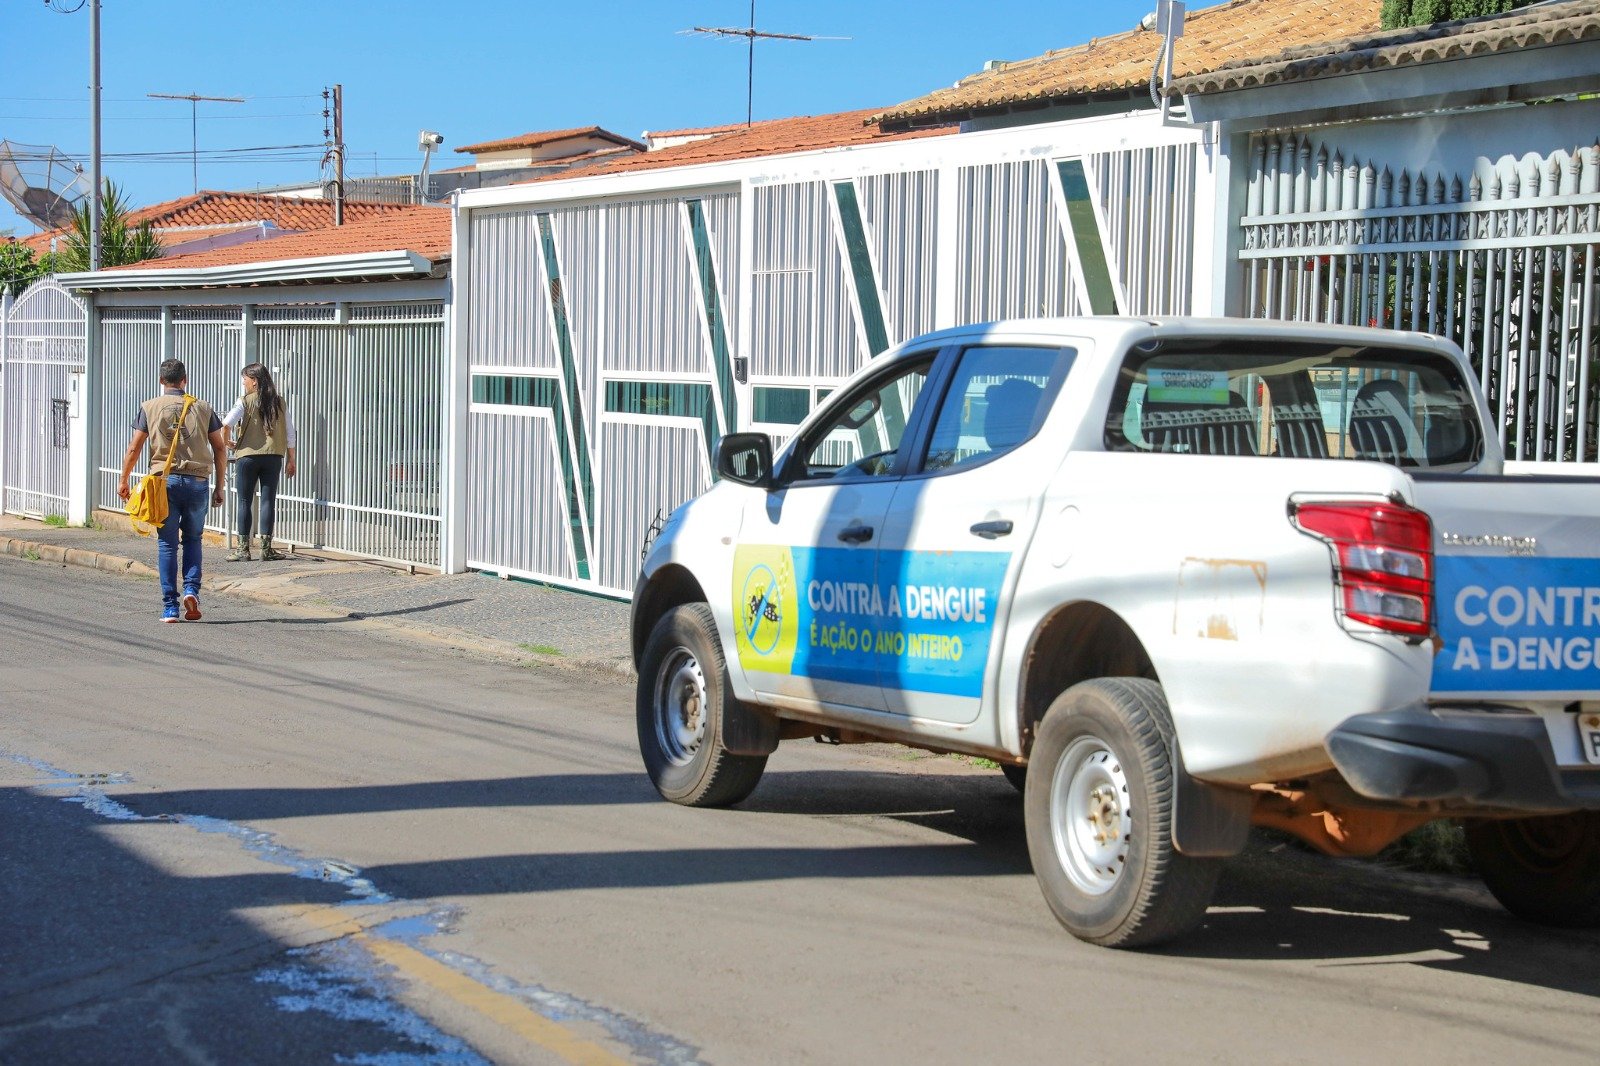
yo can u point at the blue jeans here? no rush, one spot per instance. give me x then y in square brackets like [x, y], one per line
[248, 473]
[188, 499]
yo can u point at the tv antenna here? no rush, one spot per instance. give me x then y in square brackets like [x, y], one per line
[194, 122]
[751, 36]
[41, 183]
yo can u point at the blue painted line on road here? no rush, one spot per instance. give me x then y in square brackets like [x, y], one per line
[347, 960]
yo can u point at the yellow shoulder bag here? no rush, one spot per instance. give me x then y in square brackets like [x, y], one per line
[148, 504]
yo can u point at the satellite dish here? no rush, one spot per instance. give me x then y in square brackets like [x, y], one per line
[41, 183]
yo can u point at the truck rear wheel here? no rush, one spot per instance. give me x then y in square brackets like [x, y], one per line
[682, 692]
[1098, 805]
[1546, 870]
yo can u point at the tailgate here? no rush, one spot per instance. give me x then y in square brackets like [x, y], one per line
[1518, 581]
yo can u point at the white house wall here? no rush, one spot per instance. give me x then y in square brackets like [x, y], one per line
[692, 294]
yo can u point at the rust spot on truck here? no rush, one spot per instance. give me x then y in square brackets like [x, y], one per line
[1220, 599]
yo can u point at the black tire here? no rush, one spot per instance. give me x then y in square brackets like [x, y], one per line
[1117, 882]
[1546, 870]
[1017, 775]
[682, 690]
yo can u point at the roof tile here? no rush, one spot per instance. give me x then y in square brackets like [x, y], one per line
[1535, 27]
[1212, 36]
[539, 138]
[423, 230]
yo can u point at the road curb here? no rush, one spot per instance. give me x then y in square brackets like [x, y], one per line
[612, 669]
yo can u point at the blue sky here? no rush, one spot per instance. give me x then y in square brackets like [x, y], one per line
[474, 71]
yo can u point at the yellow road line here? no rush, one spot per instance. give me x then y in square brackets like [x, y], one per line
[504, 1010]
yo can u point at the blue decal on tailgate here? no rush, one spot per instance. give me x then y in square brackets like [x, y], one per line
[1518, 625]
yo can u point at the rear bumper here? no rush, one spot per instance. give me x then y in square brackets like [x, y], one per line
[1460, 759]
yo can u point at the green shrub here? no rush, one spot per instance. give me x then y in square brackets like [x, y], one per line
[1438, 847]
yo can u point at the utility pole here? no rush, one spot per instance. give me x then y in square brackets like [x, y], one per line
[338, 155]
[194, 122]
[94, 134]
[751, 35]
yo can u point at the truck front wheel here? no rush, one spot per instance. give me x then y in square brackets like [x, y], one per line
[1098, 806]
[682, 693]
[1546, 869]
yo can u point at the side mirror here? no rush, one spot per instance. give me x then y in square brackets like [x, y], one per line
[746, 458]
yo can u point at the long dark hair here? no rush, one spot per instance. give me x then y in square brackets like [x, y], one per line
[267, 398]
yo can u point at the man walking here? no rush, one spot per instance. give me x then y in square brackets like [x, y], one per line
[193, 435]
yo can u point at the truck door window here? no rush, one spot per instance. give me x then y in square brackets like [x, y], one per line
[860, 435]
[1407, 407]
[997, 399]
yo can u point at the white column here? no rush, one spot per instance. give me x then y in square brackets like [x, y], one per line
[457, 395]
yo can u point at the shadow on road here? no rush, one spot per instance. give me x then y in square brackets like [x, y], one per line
[353, 616]
[1289, 907]
[109, 955]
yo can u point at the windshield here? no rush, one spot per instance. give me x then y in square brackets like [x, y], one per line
[1298, 401]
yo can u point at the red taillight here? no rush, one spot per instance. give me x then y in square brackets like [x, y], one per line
[1383, 561]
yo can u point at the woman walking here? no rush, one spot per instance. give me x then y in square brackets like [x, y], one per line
[261, 436]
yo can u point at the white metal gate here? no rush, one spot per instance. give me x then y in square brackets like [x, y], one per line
[364, 383]
[45, 341]
[1501, 261]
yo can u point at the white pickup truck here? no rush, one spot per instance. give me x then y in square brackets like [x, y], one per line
[1178, 577]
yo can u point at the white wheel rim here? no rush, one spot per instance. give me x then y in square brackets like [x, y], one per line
[1090, 821]
[680, 706]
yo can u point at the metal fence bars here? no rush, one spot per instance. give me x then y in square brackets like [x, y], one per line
[1501, 261]
[45, 343]
[363, 382]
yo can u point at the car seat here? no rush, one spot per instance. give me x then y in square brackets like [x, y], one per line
[1201, 429]
[1381, 429]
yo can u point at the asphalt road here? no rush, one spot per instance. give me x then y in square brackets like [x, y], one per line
[269, 837]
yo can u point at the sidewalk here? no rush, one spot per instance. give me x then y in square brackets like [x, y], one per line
[510, 618]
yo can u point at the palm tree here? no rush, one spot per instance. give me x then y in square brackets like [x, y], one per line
[120, 243]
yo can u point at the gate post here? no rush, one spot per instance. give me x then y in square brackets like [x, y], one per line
[83, 421]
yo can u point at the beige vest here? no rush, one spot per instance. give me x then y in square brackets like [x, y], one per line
[253, 436]
[193, 452]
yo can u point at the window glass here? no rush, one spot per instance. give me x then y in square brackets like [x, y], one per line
[861, 435]
[996, 401]
[1297, 401]
[781, 405]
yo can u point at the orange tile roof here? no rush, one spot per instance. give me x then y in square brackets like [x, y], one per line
[707, 131]
[539, 138]
[423, 230]
[1540, 26]
[1212, 37]
[211, 207]
[772, 137]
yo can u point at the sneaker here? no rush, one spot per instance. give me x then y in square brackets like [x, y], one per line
[268, 552]
[241, 553]
[191, 606]
[169, 613]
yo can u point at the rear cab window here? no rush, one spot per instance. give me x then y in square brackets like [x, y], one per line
[1203, 396]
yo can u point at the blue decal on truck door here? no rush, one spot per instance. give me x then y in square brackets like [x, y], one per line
[919, 621]
[1517, 625]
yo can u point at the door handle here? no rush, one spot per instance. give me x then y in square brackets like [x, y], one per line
[991, 530]
[856, 534]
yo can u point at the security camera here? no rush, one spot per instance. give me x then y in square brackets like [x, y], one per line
[429, 139]
[1148, 23]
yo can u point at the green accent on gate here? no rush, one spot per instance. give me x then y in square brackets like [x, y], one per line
[1092, 260]
[871, 305]
[513, 390]
[716, 326]
[544, 393]
[569, 416]
[855, 240]
[780, 405]
[668, 399]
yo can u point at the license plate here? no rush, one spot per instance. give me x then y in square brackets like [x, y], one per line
[1589, 737]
